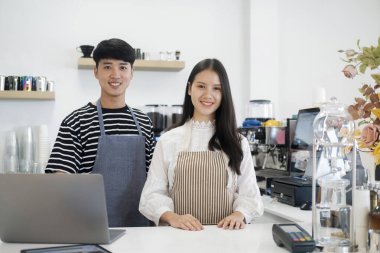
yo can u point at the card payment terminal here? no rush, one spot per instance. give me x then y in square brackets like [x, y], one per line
[293, 237]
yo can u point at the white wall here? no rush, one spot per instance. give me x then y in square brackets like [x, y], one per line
[40, 38]
[310, 33]
[264, 52]
[273, 49]
[295, 44]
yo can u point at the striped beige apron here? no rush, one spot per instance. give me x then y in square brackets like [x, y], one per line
[200, 186]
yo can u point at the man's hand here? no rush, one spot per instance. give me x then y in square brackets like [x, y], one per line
[233, 221]
[185, 222]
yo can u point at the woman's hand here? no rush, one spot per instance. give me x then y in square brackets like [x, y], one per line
[233, 221]
[185, 222]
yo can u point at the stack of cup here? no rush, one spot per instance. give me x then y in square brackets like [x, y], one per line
[26, 151]
[11, 163]
[43, 148]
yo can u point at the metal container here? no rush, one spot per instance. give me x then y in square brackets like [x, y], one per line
[26, 83]
[14, 83]
[41, 83]
[50, 86]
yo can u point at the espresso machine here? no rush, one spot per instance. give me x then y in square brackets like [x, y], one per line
[268, 148]
[268, 140]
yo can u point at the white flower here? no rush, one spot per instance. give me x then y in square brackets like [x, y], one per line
[350, 71]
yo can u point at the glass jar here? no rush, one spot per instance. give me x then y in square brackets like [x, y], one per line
[176, 113]
[158, 115]
[334, 131]
[261, 110]
[333, 124]
[333, 214]
[333, 219]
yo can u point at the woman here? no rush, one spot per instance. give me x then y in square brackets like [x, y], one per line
[202, 170]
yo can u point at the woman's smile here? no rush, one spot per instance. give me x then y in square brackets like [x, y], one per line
[207, 103]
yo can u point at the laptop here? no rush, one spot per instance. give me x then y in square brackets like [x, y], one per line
[54, 208]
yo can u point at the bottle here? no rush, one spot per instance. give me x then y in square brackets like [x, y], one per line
[374, 227]
[374, 215]
[373, 195]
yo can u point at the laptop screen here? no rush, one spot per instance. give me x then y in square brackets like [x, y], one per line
[51, 208]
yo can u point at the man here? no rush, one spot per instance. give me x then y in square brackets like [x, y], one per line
[109, 137]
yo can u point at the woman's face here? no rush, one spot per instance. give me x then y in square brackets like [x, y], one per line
[206, 95]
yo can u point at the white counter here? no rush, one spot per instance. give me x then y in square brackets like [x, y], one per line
[256, 237]
[287, 212]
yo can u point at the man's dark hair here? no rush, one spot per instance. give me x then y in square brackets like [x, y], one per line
[114, 49]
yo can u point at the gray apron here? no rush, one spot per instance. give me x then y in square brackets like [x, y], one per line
[121, 161]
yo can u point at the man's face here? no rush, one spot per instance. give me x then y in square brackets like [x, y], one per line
[114, 77]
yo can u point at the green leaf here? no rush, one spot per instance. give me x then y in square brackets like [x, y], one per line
[372, 63]
[367, 60]
[367, 52]
[378, 42]
[376, 52]
[362, 67]
[377, 61]
[361, 57]
[357, 43]
[376, 77]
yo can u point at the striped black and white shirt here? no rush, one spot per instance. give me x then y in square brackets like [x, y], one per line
[76, 145]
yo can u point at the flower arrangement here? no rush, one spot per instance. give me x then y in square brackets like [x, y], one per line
[366, 110]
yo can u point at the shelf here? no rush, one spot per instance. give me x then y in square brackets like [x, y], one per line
[159, 65]
[151, 65]
[33, 95]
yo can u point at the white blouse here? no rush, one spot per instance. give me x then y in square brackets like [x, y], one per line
[155, 199]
